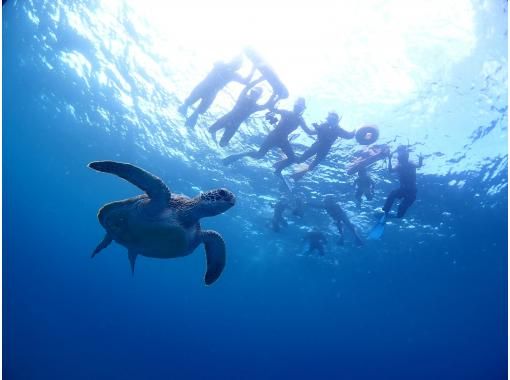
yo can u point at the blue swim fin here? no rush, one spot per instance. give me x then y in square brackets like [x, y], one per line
[378, 230]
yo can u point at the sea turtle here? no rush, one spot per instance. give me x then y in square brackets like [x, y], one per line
[162, 224]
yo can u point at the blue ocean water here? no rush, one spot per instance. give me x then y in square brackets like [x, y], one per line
[94, 80]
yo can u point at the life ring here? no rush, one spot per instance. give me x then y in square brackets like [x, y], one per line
[268, 73]
[367, 134]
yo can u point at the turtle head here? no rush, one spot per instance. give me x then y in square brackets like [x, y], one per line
[113, 216]
[217, 201]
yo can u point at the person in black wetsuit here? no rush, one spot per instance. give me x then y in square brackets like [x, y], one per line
[340, 218]
[206, 91]
[279, 137]
[327, 133]
[245, 105]
[316, 239]
[406, 171]
[364, 186]
[284, 203]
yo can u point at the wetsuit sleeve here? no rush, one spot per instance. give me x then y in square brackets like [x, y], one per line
[238, 78]
[305, 127]
[279, 112]
[244, 80]
[345, 134]
[250, 85]
[269, 104]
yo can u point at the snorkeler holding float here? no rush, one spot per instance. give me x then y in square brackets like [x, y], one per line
[406, 171]
[206, 91]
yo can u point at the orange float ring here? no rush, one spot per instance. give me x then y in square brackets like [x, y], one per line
[367, 134]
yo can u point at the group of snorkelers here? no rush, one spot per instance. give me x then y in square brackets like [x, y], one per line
[285, 122]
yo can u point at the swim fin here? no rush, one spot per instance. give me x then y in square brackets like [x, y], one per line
[378, 230]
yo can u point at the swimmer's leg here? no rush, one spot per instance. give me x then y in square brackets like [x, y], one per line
[397, 193]
[221, 123]
[230, 131]
[256, 154]
[308, 153]
[204, 105]
[193, 97]
[408, 200]
[322, 152]
[290, 157]
[354, 231]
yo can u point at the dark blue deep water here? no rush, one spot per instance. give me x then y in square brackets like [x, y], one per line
[96, 80]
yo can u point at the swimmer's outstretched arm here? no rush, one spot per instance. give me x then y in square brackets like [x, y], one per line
[345, 134]
[306, 128]
[252, 84]
[314, 130]
[247, 79]
[270, 103]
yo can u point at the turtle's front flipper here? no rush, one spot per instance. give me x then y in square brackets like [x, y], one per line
[215, 253]
[104, 243]
[152, 185]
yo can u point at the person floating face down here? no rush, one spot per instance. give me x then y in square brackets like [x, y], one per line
[327, 133]
[245, 106]
[406, 171]
[296, 205]
[316, 241]
[364, 185]
[340, 219]
[206, 91]
[279, 137]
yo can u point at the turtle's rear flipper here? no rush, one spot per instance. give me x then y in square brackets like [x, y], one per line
[104, 243]
[215, 253]
[152, 185]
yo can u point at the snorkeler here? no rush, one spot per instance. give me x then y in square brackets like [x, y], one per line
[327, 133]
[364, 186]
[296, 204]
[206, 91]
[406, 171]
[245, 105]
[279, 137]
[340, 218]
[316, 239]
